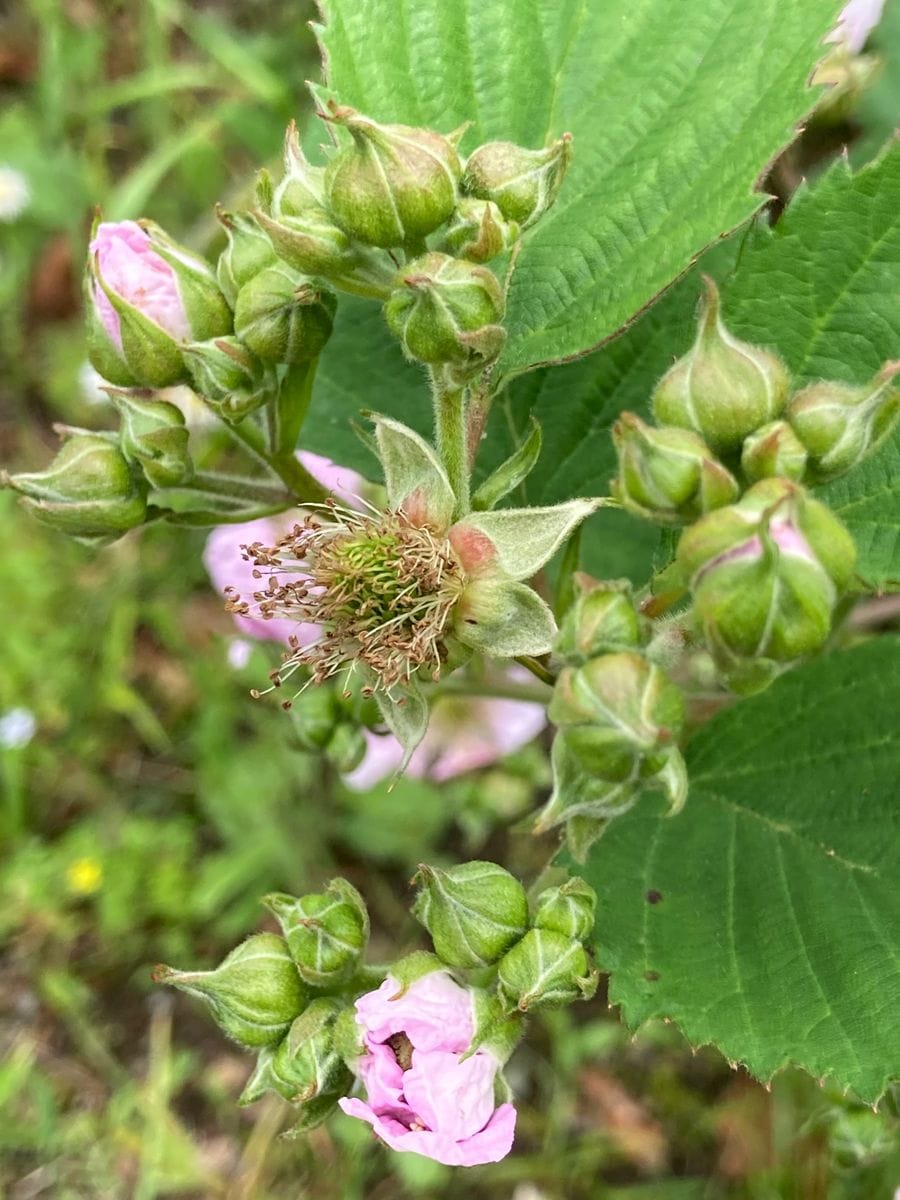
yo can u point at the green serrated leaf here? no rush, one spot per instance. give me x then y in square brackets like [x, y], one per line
[766, 917]
[668, 142]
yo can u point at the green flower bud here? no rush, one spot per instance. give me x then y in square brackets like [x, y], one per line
[774, 450]
[667, 475]
[312, 243]
[326, 932]
[568, 910]
[248, 252]
[255, 993]
[474, 912]
[394, 185]
[522, 183]
[447, 311]
[88, 491]
[315, 713]
[840, 425]
[602, 618]
[723, 388]
[302, 186]
[304, 1065]
[153, 435]
[479, 231]
[765, 575]
[545, 969]
[229, 376]
[618, 714]
[282, 317]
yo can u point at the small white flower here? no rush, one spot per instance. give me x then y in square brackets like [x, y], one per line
[17, 727]
[15, 194]
[857, 20]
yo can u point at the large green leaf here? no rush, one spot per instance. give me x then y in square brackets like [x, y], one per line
[766, 917]
[674, 116]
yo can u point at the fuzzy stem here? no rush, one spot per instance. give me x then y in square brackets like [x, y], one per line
[536, 668]
[239, 486]
[531, 693]
[450, 435]
[302, 486]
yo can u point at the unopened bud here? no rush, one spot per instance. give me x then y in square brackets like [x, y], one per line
[545, 969]
[447, 311]
[229, 376]
[88, 491]
[282, 318]
[311, 242]
[326, 932]
[618, 714]
[303, 185]
[305, 1065]
[254, 994]
[568, 910]
[723, 388]
[248, 252]
[669, 474]
[479, 231]
[522, 183]
[145, 296]
[474, 912]
[394, 185]
[765, 575]
[153, 435]
[346, 747]
[840, 425]
[774, 450]
[603, 617]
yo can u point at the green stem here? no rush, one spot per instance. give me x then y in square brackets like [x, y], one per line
[239, 487]
[532, 693]
[301, 484]
[450, 435]
[536, 668]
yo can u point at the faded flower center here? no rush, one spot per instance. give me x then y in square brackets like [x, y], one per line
[402, 1048]
[381, 589]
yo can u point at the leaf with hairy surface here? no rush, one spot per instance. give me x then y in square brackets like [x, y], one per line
[765, 918]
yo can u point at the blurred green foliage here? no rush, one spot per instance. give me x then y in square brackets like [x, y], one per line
[152, 803]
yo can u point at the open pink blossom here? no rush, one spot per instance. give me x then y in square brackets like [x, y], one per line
[131, 268]
[422, 1093]
[464, 734]
[227, 567]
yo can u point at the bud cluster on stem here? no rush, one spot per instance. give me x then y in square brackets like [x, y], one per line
[426, 1045]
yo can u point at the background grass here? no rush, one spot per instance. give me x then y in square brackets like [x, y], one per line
[154, 802]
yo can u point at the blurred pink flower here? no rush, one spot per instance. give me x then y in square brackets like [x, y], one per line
[135, 272]
[856, 22]
[424, 1096]
[227, 567]
[464, 734]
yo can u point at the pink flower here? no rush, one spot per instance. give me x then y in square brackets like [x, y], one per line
[135, 272]
[857, 20]
[227, 567]
[421, 1093]
[464, 734]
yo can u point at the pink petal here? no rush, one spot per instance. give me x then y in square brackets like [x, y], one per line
[435, 1013]
[490, 1145]
[382, 1076]
[451, 1095]
[135, 272]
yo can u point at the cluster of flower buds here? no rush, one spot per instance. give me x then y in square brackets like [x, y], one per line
[765, 585]
[385, 191]
[426, 1048]
[618, 717]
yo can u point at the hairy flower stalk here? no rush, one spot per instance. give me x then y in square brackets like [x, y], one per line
[381, 588]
